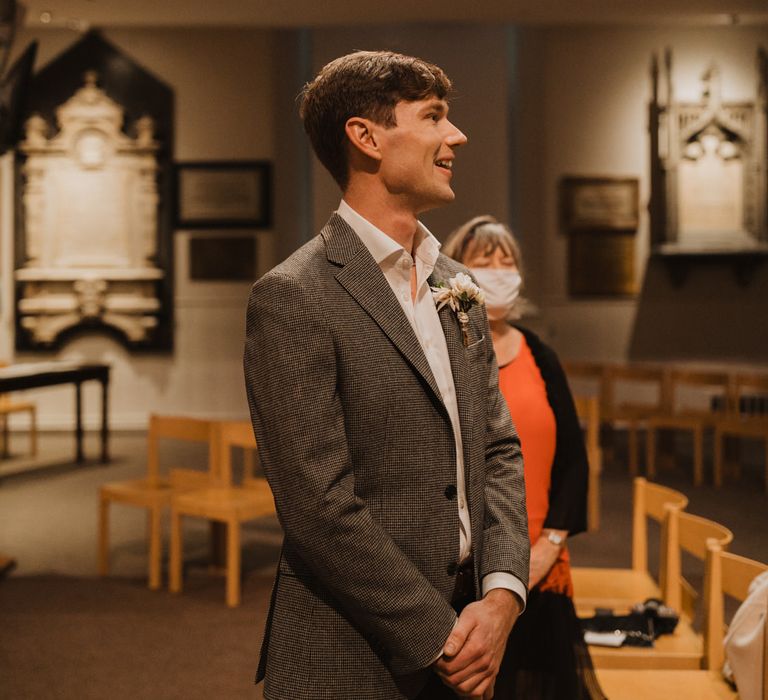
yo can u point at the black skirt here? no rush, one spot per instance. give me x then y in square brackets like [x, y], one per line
[546, 657]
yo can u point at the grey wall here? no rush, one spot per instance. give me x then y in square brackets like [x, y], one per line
[583, 95]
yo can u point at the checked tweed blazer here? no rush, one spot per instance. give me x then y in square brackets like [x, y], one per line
[358, 448]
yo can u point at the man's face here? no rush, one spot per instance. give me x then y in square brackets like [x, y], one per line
[418, 154]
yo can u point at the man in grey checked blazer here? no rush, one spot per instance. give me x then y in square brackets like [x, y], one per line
[355, 421]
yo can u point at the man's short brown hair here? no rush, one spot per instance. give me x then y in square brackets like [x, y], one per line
[364, 84]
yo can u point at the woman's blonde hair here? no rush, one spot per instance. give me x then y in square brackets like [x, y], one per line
[483, 233]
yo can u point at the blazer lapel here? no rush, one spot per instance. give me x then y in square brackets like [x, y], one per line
[458, 356]
[365, 282]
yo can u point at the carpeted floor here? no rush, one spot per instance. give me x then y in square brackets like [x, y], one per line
[87, 638]
[65, 633]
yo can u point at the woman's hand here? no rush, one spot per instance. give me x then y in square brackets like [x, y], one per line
[544, 554]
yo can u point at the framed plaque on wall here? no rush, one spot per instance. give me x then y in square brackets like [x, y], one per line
[600, 216]
[224, 194]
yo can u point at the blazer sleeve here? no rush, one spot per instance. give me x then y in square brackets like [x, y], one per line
[291, 379]
[506, 545]
[570, 469]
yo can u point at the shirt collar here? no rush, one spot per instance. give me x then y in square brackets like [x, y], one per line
[381, 246]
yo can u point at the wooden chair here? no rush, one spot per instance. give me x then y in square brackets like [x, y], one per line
[586, 378]
[588, 410]
[8, 406]
[684, 648]
[684, 415]
[153, 492]
[617, 588]
[740, 422]
[633, 393]
[728, 574]
[227, 503]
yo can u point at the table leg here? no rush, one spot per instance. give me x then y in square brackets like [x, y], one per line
[105, 421]
[79, 458]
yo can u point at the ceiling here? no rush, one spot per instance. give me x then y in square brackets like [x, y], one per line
[82, 14]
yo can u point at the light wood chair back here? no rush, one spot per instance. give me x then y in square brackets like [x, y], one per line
[742, 421]
[588, 411]
[744, 385]
[586, 377]
[180, 428]
[694, 534]
[652, 500]
[230, 434]
[707, 384]
[727, 574]
[647, 384]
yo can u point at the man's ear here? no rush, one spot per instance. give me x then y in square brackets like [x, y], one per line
[362, 135]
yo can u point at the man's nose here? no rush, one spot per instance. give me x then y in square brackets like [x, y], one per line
[456, 137]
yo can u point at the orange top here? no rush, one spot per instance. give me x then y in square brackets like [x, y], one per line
[525, 392]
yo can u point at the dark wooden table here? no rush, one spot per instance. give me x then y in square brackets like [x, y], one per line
[34, 375]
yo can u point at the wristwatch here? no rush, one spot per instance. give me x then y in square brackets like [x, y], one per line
[555, 539]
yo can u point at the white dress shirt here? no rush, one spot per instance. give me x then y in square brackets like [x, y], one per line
[395, 263]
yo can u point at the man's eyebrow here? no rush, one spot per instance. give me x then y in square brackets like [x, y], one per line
[436, 106]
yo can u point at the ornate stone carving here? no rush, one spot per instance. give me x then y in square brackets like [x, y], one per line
[708, 167]
[90, 201]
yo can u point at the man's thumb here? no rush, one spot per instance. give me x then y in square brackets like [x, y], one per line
[457, 637]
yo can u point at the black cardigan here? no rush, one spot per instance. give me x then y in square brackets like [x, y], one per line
[570, 468]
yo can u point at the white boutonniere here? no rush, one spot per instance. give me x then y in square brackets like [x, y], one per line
[461, 294]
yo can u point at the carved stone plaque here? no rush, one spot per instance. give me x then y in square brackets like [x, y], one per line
[90, 203]
[709, 179]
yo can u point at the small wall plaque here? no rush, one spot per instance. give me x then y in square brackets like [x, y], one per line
[222, 259]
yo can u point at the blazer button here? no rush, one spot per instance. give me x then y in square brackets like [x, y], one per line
[450, 492]
[453, 567]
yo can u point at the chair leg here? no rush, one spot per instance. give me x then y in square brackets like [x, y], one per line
[632, 446]
[698, 456]
[650, 452]
[718, 448]
[176, 554]
[155, 548]
[103, 536]
[233, 563]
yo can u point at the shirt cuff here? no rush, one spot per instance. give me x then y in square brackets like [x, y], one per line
[501, 579]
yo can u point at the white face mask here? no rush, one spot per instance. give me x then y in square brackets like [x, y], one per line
[501, 288]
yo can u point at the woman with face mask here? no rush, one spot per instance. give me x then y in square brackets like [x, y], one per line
[546, 657]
